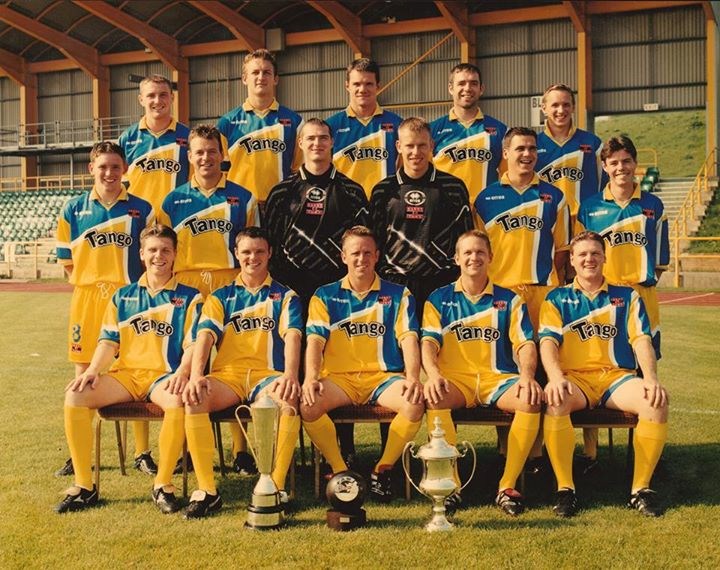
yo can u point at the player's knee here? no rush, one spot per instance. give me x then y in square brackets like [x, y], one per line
[310, 413]
[413, 412]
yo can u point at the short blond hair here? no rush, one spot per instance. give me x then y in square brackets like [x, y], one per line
[156, 78]
[263, 54]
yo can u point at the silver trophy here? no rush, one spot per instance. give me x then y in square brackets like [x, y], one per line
[438, 481]
[265, 510]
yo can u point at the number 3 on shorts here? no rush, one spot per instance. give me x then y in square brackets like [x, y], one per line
[76, 333]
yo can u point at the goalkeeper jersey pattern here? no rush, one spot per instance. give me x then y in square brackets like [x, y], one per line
[594, 333]
[156, 164]
[476, 337]
[418, 221]
[362, 333]
[636, 235]
[471, 152]
[526, 229]
[207, 223]
[103, 244]
[249, 326]
[152, 330]
[260, 146]
[573, 166]
[306, 216]
[364, 149]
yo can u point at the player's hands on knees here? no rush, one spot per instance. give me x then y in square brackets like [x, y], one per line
[79, 383]
[195, 390]
[286, 388]
[435, 389]
[309, 390]
[176, 383]
[555, 391]
[655, 393]
[529, 391]
[412, 391]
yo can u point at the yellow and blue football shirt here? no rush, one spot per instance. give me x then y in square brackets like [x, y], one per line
[150, 328]
[364, 149]
[594, 332]
[261, 146]
[156, 164]
[362, 333]
[207, 223]
[526, 228]
[472, 152]
[102, 243]
[249, 326]
[573, 166]
[476, 336]
[636, 235]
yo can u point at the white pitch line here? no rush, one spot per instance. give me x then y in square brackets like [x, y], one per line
[685, 298]
[706, 412]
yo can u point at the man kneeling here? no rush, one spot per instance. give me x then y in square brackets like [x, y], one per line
[473, 334]
[362, 333]
[147, 325]
[257, 325]
[592, 338]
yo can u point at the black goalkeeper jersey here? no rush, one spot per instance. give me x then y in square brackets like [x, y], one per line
[417, 222]
[306, 216]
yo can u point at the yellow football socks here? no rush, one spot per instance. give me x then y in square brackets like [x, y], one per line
[590, 441]
[202, 448]
[288, 429]
[648, 441]
[78, 430]
[401, 431]
[141, 432]
[560, 444]
[323, 435]
[239, 441]
[523, 432]
[170, 443]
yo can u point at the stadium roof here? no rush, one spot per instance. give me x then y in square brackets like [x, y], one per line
[44, 35]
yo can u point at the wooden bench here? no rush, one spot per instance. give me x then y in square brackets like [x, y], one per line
[597, 418]
[129, 411]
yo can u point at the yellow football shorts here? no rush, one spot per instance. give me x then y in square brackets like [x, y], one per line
[139, 382]
[87, 308]
[599, 385]
[363, 387]
[246, 383]
[482, 388]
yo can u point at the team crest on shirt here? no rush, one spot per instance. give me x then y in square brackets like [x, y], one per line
[387, 127]
[177, 301]
[586, 148]
[274, 296]
[233, 200]
[617, 301]
[492, 131]
[414, 208]
[649, 213]
[316, 194]
[415, 198]
[74, 347]
[385, 300]
[181, 141]
[315, 203]
[285, 122]
[500, 305]
[133, 213]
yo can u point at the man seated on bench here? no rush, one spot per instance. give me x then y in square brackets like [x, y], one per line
[150, 327]
[257, 325]
[362, 348]
[474, 335]
[592, 337]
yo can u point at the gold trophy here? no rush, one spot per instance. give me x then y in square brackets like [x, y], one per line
[265, 510]
[438, 481]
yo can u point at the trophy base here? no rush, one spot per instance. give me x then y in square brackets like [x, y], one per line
[439, 524]
[265, 518]
[343, 522]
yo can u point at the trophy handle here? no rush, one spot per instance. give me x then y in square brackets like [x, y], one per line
[242, 428]
[408, 450]
[467, 447]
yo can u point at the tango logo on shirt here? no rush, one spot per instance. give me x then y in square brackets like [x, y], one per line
[355, 153]
[624, 238]
[587, 330]
[101, 239]
[141, 326]
[247, 324]
[199, 226]
[485, 334]
[158, 164]
[459, 154]
[252, 144]
[552, 174]
[372, 329]
[510, 223]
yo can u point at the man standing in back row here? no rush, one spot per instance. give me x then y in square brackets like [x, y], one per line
[364, 133]
[468, 144]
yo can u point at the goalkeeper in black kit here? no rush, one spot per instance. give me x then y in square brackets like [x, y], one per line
[418, 215]
[307, 214]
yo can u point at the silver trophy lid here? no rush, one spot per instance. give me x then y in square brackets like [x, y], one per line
[438, 447]
[264, 401]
